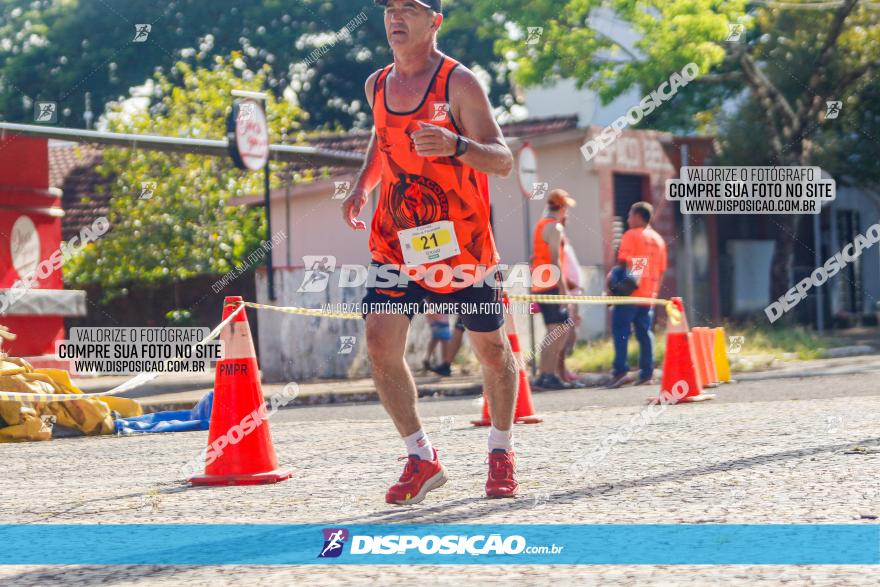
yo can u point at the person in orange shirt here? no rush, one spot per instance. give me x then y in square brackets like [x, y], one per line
[435, 141]
[548, 251]
[642, 253]
[573, 279]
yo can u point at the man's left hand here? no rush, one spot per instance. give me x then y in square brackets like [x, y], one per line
[434, 141]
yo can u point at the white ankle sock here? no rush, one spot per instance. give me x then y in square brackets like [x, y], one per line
[419, 444]
[500, 439]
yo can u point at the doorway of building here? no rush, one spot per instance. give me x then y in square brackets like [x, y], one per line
[848, 223]
[628, 189]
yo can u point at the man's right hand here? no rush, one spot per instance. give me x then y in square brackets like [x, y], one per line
[351, 208]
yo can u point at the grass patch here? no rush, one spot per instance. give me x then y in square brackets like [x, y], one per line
[597, 356]
[761, 347]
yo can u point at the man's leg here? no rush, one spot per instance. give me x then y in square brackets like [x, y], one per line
[450, 348]
[553, 345]
[642, 323]
[567, 348]
[551, 349]
[386, 346]
[429, 353]
[621, 320]
[454, 345]
[499, 375]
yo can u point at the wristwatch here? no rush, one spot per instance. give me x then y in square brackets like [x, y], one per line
[462, 144]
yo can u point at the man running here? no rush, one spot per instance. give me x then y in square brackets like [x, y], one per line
[433, 143]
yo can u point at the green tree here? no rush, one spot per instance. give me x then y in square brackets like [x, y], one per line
[188, 227]
[788, 63]
[60, 49]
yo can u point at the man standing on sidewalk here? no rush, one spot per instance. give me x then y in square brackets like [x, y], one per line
[434, 141]
[548, 251]
[642, 253]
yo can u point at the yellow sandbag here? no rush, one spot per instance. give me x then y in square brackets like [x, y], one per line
[88, 416]
[23, 420]
[10, 412]
[127, 408]
[16, 376]
[31, 427]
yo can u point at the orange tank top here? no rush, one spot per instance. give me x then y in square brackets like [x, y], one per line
[541, 254]
[417, 191]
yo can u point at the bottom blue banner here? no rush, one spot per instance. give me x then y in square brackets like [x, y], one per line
[219, 544]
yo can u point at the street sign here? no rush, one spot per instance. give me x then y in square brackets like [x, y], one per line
[248, 135]
[527, 170]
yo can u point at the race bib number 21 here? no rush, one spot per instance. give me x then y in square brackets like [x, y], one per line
[429, 243]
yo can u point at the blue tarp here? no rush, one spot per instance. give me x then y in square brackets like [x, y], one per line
[198, 418]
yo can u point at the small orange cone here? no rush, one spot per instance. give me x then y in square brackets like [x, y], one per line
[680, 382]
[240, 450]
[699, 360]
[704, 358]
[525, 410]
[709, 346]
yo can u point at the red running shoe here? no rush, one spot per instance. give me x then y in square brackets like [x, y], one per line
[418, 478]
[502, 474]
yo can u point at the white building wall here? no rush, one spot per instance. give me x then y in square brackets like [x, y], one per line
[297, 347]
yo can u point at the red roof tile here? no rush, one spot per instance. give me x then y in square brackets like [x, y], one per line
[72, 169]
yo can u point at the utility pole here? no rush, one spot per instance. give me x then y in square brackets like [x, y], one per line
[263, 98]
[689, 302]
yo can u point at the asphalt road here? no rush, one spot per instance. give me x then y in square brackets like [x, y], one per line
[778, 450]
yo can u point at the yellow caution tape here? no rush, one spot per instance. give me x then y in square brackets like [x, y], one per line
[143, 378]
[671, 311]
[315, 312]
[133, 383]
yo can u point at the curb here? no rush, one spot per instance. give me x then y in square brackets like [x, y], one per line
[358, 397]
[319, 399]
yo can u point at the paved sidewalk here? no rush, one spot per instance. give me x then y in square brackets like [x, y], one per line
[178, 392]
[760, 462]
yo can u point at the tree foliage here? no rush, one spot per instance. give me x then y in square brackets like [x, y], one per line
[788, 63]
[60, 49]
[188, 227]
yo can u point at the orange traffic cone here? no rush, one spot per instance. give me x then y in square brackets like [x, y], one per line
[699, 360]
[704, 361]
[707, 344]
[525, 410]
[240, 448]
[680, 382]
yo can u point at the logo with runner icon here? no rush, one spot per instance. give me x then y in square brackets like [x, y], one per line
[334, 541]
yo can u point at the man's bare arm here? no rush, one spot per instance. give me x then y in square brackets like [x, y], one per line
[471, 110]
[367, 178]
[553, 235]
[370, 173]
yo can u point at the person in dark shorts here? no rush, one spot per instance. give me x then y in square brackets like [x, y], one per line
[435, 141]
[411, 298]
[549, 240]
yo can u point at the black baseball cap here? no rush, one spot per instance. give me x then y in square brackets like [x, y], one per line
[435, 5]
